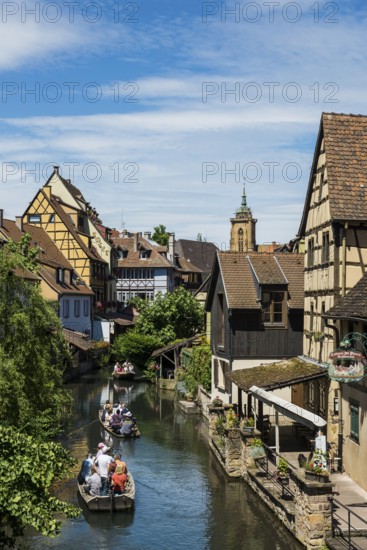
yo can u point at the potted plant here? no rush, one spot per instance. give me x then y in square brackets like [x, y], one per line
[318, 336]
[316, 468]
[248, 424]
[217, 402]
[232, 419]
[258, 451]
[282, 472]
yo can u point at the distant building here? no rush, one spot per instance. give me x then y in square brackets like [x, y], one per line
[143, 268]
[243, 228]
[195, 260]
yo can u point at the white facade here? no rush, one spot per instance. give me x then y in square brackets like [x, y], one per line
[75, 313]
[143, 282]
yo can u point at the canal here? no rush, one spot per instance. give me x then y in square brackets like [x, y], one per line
[183, 499]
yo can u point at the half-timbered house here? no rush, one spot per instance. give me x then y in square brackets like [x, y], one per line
[334, 225]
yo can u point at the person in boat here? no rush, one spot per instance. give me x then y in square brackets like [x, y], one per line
[100, 450]
[93, 483]
[107, 409]
[115, 422]
[128, 425]
[116, 462]
[118, 480]
[122, 409]
[130, 367]
[85, 470]
[103, 462]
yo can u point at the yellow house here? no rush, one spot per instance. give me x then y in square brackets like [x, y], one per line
[68, 226]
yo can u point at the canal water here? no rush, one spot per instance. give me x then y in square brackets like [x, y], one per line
[183, 499]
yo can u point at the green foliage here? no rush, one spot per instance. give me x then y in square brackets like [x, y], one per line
[33, 354]
[282, 467]
[33, 403]
[220, 424]
[27, 255]
[172, 316]
[160, 235]
[27, 468]
[135, 347]
[198, 372]
[232, 419]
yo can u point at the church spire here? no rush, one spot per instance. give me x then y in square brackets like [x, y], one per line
[243, 228]
[244, 209]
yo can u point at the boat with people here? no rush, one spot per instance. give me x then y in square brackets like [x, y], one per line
[132, 431]
[111, 503]
[124, 371]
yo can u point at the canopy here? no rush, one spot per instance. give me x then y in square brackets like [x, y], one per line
[309, 419]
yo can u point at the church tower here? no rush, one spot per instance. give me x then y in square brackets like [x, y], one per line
[243, 229]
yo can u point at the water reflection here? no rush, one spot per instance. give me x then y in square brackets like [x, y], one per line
[183, 498]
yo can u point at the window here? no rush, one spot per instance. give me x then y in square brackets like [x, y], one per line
[322, 400]
[77, 308]
[240, 240]
[51, 218]
[312, 317]
[311, 394]
[34, 218]
[66, 308]
[215, 372]
[322, 318]
[60, 275]
[325, 247]
[354, 420]
[220, 320]
[321, 185]
[272, 306]
[86, 308]
[310, 252]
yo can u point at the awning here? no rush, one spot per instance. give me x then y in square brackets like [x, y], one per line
[277, 375]
[309, 419]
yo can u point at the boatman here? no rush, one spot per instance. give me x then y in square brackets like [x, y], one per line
[103, 462]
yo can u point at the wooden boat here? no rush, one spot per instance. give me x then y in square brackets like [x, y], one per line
[110, 503]
[123, 375]
[136, 432]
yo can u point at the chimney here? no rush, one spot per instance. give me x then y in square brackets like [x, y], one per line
[56, 170]
[19, 222]
[147, 234]
[1, 217]
[136, 241]
[171, 246]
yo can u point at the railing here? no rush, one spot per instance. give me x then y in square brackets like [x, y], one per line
[271, 456]
[350, 531]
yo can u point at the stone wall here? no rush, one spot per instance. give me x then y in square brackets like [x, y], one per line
[306, 512]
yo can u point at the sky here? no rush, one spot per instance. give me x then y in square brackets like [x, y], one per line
[160, 111]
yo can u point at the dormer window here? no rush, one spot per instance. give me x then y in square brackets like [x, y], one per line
[60, 275]
[144, 254]
[273, 307]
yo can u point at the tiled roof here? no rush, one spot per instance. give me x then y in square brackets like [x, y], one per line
[240, 268]
[276, 375]
[267, 271]
[24, 273]
[201, 254]
[186, 265]
[92, 254]
[133, 256]
[345, 142]
[50, 254]
[78, 339]
[354, 304]
[346, 160]
[64, 288]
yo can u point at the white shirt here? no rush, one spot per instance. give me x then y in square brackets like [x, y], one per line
[103, 461]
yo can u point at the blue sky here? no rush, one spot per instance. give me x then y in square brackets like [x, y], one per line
[133, 101]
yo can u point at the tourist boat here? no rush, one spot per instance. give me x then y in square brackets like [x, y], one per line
[110, 503]
[136, 432]
[123, 375]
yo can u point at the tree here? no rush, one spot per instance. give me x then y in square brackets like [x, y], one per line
[33, 355]
[28, 466]
[135, 347]
[32, 350]
[198, 372]
[173, 316]
[176, 315]
[160, 235]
